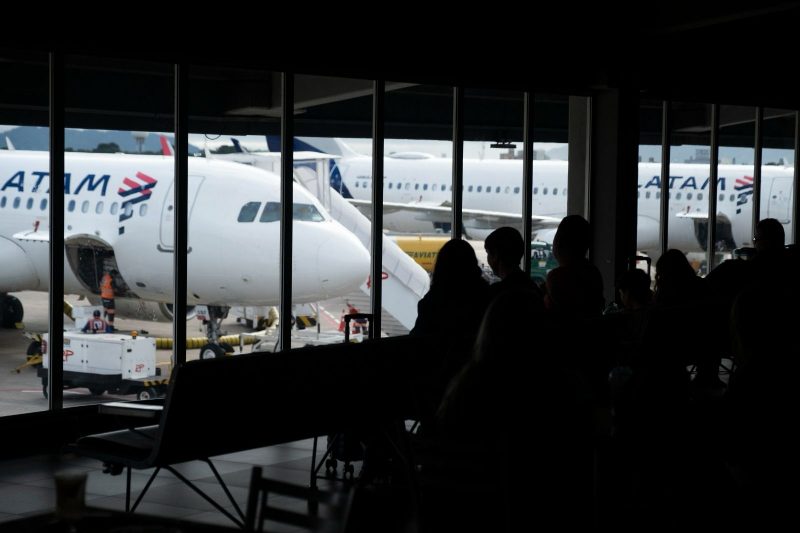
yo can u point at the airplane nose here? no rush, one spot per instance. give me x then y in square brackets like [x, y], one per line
[343, 264]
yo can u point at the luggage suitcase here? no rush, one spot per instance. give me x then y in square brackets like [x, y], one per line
[342, 447]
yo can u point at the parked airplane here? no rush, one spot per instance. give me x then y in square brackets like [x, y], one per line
[418, 187]
[119, 214]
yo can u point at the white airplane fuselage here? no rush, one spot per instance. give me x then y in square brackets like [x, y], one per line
[122, 206]
[494, 186]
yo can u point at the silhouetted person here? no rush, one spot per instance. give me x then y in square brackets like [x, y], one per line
[634, 290]
[676, 281]
[449, 316]
[504, 250]
[575, 287]
[763, 401]
[509, 391]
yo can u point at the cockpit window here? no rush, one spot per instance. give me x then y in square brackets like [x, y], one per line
[306, 212]
[249, 211]
[272, 212]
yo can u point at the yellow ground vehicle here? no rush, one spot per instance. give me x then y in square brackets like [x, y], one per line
[422, 249]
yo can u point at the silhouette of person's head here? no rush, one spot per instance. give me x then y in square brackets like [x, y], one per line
[455, 263]
[634, 289]
[572, 239]
[504, 250]
[672, 268]
[769, 236]
[96, 313]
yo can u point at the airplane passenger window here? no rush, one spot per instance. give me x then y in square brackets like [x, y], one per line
[249, 211]
[638, 194]
[480, 188]
[272, 212]
[114, 208]
[306, 212]
[390, 184]
[98, 208]
[678, 196]
[469, 189]
[516, 190]
[508, 189]
[142, 210]
[356, 184]
[555, 191]
[733, 197]
[699, 196]
[85, 206]
[3, 201]
[536, 190]
[488, 189]
[128, 210]
[29, 203]
[688, 196]
[647, 194]
[416, 186]
[16, 203]
[497, 189]
[70, 206]
[425, 187]
[544, 191]
[658, 194]
[408, 186]
[42, 204]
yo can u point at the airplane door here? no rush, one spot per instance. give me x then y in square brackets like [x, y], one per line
[168, 212]
[780, 200]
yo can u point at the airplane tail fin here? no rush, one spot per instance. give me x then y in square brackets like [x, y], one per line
[238, 146]
[9, 144]
[324, 145]
[166, 146]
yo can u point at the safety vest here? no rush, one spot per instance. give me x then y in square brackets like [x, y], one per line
[106, 290]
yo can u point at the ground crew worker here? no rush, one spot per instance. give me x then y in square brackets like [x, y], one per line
[107, 296]
[96, 324]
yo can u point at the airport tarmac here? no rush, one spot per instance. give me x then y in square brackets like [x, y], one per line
[21, 392]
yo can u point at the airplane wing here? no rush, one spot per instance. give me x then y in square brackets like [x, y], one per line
[471, 217]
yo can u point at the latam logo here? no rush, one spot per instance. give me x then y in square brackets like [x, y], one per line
[134, 193]
[744, 189]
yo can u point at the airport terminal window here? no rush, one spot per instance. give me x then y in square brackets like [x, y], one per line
[249, 211]
[29, 203]
[306, 212]
[98, 208]
[272, 212]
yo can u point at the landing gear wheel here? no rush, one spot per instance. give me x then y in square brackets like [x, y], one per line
[10, 311]
[211, 351]
[146, 394]
[97, 390]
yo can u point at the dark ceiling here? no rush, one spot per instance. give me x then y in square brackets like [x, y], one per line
[688, 52]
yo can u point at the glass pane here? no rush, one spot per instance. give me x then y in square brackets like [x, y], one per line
[24, 227]
[777, 172]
